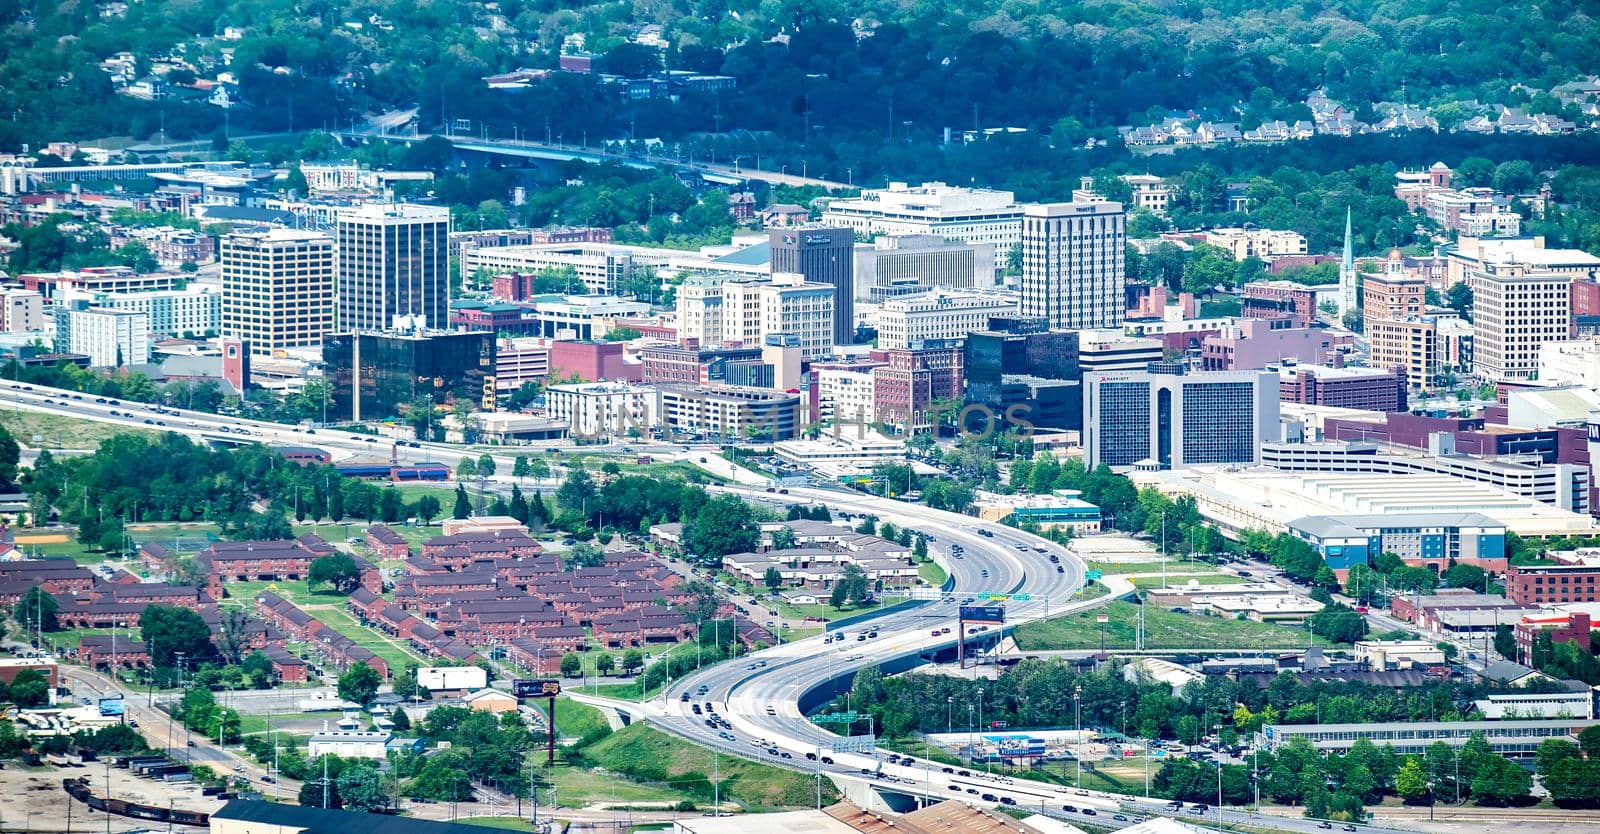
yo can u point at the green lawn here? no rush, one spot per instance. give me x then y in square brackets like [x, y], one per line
[243, 594]
[1146, 582]
[579, 787]
[574, 720]
[1163, 630]
[67, 638]
[509, 823]
[648, 755]
[1173, 565]
[70, 549]
[56, 431]
[253, 724]
[932, 574]
[823, 610]
[394, 651]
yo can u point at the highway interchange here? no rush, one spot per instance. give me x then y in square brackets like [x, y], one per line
[759, 695]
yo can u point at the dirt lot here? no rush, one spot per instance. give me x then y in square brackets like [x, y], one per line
[34, 800]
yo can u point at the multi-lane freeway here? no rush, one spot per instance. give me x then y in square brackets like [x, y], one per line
[759, 697]
[758, 700]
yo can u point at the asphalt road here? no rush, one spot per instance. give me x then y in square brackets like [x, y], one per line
[761, 703]
[758, 695]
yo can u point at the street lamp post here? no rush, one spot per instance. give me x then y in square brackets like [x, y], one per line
[1077, 709]
[948, 702]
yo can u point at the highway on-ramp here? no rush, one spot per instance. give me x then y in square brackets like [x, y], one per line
[760, 696]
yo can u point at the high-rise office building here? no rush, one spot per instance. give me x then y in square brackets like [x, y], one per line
[394, 267]
[1516, 309]
[1072, 264]
[823, 255]
[1019, 368]
[1168, 418]
[277, 288]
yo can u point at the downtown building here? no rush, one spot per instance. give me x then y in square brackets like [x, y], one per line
[971, 215]
[1514, 311]
[1168, 418]
[822, 255]
[939, 315]
[893, 265]
[110, 338]
[1020, 369]
[393, 267]
[912, 379]
[1072, 264]
[277, 288]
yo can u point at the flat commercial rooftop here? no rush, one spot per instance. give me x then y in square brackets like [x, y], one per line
[1269, 498]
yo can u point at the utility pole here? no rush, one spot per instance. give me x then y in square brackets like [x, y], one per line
[324, 780]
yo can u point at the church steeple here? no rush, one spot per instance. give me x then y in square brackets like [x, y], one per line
[1349, 262]
[1347, 270]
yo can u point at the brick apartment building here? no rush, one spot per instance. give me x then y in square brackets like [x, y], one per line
[385, 543]
[95, 651]
[1569, 627]
[1575, 581]
[270, 561]
[57, 576]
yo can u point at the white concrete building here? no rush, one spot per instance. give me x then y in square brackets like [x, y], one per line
[1172, 420]
[699, 308]
[1575, 362]
[939, 314]
[110, 338]
[193, 311]
[350, 744]
[845, 392]
[393, 269]
[726, 308]
[604, 409]
[1265, 244]
[891, 262]
[277, 288]
[970, 215]
[23, 312]
[1515, 310]
[583, 317]
[1072, 264]
[1475, 254]
[321, 179]
[786, 303]
[601, 267]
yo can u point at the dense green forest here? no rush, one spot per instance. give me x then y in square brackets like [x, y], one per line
[824, 73]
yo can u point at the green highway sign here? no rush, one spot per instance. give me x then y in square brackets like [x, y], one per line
[1092, 574]
[836, 718]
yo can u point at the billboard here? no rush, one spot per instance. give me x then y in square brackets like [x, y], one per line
[111, 706]
[435, 678]
[524, 688]
[983, 613]
[1011, 748]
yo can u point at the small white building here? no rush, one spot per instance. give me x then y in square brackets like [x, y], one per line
[1383, 655]
[452, 678]
[350, 744]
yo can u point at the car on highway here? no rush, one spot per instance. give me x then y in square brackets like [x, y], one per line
[1006, 800]
[1088, 812]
